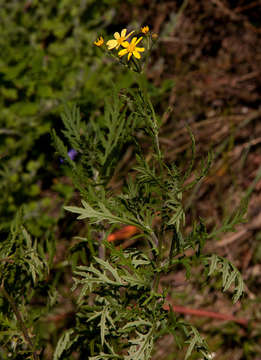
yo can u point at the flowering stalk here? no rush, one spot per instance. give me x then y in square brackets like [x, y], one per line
[126, 314]
[123, 47]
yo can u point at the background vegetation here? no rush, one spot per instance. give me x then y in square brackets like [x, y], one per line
[206, 68]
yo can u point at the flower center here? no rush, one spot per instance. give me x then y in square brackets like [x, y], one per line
[131, 47]
[120, 40]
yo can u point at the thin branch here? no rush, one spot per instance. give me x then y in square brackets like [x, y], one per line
[7, 260]
[200, 312]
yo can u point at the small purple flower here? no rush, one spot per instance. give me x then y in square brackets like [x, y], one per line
[72, 154]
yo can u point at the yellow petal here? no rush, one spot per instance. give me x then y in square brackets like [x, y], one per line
[116, 35]
[122, 52]
[129, 34]
[111, 44]
[99, 41]
[123, 32]
[129, 56]
[138, 40]
[133, 40]
[125, 44]
[136, 54]
[139, 49]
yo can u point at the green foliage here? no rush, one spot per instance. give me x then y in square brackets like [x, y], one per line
[117, 283]
[126, 315]
[230, 275]
[237, 217]
[22, 269]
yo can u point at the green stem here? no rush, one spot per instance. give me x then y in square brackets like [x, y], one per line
[156, 137]
[137, 66]
[158, 262]
[154, 124]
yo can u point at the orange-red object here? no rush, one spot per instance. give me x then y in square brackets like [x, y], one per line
[124, 233]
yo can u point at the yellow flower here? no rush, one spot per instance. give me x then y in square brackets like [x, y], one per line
[145, 29]
[131, 48]
[119, 39]
[99, 41]
[154, 36]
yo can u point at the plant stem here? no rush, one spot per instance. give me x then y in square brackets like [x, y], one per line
[153, 120]
[158, 262]
[20, 320]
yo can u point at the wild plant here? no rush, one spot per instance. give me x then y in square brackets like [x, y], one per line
[121, 305]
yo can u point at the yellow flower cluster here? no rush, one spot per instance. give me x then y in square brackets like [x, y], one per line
[129, 47]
